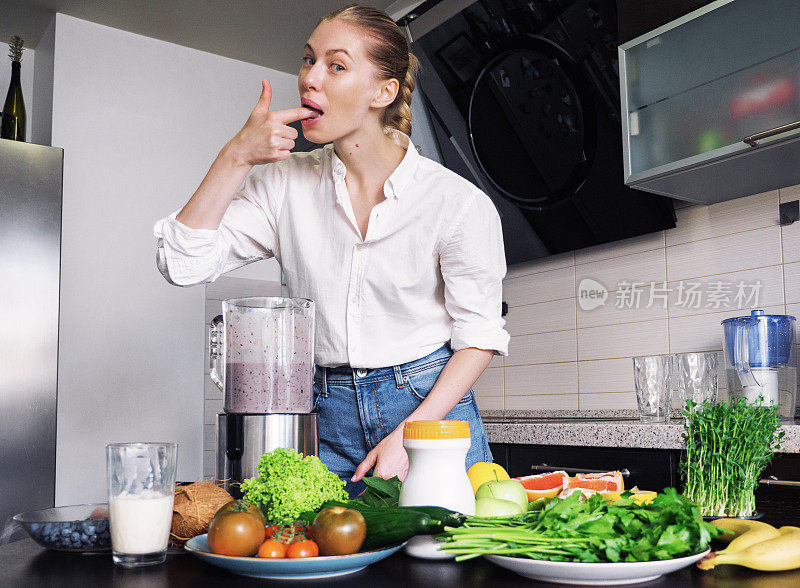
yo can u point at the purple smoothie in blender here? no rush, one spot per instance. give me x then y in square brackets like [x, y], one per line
[269, 355]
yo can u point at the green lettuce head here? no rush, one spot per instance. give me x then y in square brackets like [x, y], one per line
[290, 483]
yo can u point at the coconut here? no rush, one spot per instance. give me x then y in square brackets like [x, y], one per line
[195, 505]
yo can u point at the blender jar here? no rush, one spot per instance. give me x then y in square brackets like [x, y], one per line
[266, 345]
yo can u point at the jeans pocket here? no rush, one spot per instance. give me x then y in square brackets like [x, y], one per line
[420, 383]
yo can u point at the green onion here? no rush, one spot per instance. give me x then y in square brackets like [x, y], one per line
[727, 446]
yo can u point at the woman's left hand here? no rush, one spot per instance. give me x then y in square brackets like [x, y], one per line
[389, 458]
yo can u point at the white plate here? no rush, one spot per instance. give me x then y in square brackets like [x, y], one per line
[593, 574]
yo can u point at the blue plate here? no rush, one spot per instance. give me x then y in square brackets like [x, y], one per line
[289, 569]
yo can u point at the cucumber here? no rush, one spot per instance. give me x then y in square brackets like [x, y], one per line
[448, 518]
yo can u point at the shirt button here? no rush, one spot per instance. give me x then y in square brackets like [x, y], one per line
[361, 246]
[361, 372]
[354, 299]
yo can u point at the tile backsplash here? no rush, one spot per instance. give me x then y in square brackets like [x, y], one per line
[666, 293]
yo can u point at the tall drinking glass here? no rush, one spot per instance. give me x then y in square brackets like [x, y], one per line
[653, 379]
[696, 377]
[141, 487]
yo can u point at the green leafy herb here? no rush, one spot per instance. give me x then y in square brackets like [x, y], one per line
[381, 492]
[595, 530]
[290, 484]
[727, 448]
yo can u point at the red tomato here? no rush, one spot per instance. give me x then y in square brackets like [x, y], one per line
[235, 533]
[272, 549]
[305, 548]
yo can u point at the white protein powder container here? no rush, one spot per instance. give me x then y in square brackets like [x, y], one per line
[437, 475]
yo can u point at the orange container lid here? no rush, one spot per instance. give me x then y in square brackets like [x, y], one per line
[436, 430]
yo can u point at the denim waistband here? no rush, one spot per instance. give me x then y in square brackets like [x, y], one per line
[346, 373]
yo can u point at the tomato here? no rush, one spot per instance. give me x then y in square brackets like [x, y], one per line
[272, 549]
[243, 505]
[306, 548]
[235, 532]
[338, 530]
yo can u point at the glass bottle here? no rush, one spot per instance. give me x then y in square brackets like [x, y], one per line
[13, 124]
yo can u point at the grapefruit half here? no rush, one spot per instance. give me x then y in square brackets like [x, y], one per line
[544, 485]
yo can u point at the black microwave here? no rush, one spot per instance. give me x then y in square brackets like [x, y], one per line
[523, 99]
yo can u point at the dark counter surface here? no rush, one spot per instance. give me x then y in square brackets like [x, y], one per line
[25, 564]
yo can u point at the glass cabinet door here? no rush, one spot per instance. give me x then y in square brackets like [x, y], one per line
[696, 88]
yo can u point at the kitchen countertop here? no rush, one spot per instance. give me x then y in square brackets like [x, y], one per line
[612, 428]
[24, 563]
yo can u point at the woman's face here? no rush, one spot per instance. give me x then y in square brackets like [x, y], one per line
[338, 78]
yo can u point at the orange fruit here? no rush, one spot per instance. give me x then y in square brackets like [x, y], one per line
[603, 482]
[543, 485]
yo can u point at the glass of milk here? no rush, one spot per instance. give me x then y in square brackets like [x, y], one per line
[141, 487]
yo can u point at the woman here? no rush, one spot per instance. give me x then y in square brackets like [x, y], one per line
[403, 258]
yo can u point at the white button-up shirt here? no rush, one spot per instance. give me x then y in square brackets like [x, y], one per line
[429, 271]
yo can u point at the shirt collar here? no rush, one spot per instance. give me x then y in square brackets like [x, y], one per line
[402, 174]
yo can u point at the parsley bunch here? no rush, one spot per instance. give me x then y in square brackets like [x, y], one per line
[595, 530]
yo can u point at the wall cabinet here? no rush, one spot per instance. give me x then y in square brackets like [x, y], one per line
[711, 102]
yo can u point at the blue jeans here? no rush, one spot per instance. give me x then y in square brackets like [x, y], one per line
[357, 408]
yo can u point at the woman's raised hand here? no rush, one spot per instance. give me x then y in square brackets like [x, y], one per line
[266, 136]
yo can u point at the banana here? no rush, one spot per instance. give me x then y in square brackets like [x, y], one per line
[751, 537]
[776, 554]
[737, 527]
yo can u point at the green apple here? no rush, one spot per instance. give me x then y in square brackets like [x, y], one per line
[495, 507]
[510, 490]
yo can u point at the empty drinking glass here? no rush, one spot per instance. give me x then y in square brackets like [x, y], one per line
[696, 377]
[653, 379]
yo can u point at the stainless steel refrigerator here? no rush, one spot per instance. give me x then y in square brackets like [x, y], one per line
[30, 259]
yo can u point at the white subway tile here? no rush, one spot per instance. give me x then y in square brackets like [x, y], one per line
[209, 437]
[728, 253]
[546, 378]
[794, 310]
[643, 267]
[621, 247]
[497, 361]
[226, 287]
[791, 273]
[624, 307]
[703, 332]
[730, 297]
[209, 464]
[213, 308]
[790, 237]
[543, 348]
[542, 402]
[608, 400]
[542, 264]
[540, 287]
[211, 409]
[490, 402]
[732, 216]
[490, 383]
[212, 391]
[790, 193]
[625, 340]
[605, 375]
[556, 315]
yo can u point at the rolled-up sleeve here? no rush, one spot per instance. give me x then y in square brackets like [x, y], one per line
[473, 265]
[248, 232]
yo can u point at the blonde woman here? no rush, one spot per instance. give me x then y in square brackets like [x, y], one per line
[403, 258]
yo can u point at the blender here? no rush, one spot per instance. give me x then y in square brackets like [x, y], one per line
[760, 360]
[262, 358]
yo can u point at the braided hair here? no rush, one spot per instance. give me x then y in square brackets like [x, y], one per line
[389, 52]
